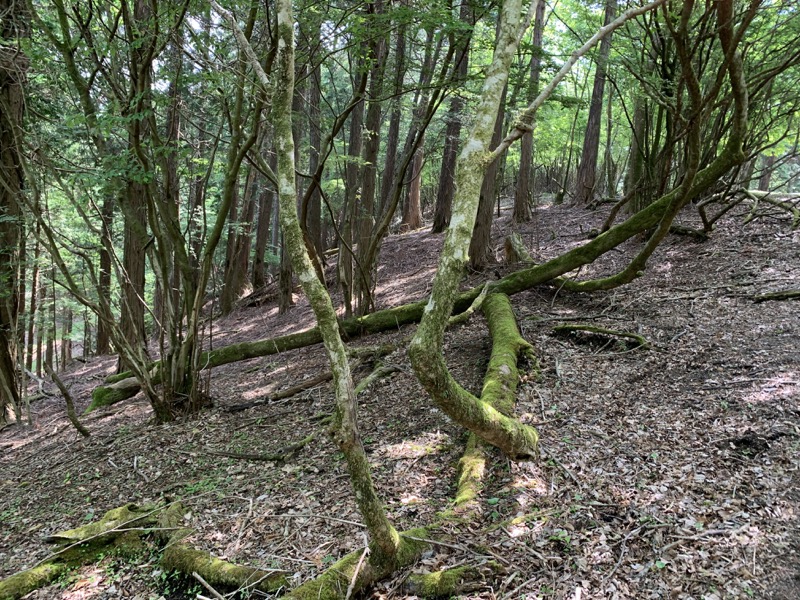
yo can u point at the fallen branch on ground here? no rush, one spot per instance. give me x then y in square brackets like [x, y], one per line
[783, 295]
[640, 340]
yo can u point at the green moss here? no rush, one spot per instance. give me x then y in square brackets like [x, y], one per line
[25, 582]
[107, 395]
[471, 468]
[218, 572]
[441, 584]
[333, 583]
[128, 515]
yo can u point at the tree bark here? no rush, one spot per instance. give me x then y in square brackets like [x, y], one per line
[480, 247]
[523, 196]
[425, 351]
[585, 186]
[412, 208]
[445, 189]
[13, 69]
[385, 540]
[265, 204]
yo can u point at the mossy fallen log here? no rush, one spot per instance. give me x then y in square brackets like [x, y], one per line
[22, 583]
[122, 531]
[179, 556]
[82, 545]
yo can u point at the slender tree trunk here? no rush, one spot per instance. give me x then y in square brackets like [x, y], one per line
[32, 311]
[237, 282]
[636, 178]
[446, 186]
[412, 209]
[393, 135]
[766, 173]
[41, 319]
[352, 192]
[523, 196]
[104, 278]
[265, 204]
[66, 339]
[425, 350]
[480, 248]
[585, 186]
[365, 221]
[385, 541]
[285, 297]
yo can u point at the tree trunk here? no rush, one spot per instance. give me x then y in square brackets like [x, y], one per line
[425, 351]
[265, 203]
[393, 135]
[365, 220]
[480, 247]
[32, 311]
[104, 278]
[66, 339]
[412, 209]
[766, 173]
[237, 282]
[385, 540]
[585, 186]
[351, 182]
[523, 196]
[445, 189]
[13, 69]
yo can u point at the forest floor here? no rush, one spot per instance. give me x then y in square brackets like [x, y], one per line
[670, 472]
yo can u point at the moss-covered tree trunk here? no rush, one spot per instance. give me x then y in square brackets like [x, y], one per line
[425, 351]
[385, 541]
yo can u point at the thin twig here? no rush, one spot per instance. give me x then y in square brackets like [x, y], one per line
[358, 569]
[208, 586]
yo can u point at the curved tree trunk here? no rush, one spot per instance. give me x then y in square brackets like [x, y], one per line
[385, 540]
[480, 247]
[425, 351]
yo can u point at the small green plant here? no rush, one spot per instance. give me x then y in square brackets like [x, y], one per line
[562, 538]
[203, 485]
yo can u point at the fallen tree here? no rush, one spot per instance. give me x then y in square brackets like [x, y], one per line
[125, 531]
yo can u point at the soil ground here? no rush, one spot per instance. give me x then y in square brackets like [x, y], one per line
[666, 473]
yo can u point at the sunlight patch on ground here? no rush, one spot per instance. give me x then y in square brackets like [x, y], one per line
[427, 443]
[783, 386]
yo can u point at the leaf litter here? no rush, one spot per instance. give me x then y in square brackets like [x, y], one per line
[666, 473]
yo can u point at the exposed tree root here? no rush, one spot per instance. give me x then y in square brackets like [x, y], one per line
[451, 582]
[641, 341]
[352, 573]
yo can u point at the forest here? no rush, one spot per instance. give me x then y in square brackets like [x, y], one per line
[399, 299]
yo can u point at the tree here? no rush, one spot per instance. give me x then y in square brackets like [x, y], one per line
[523, 194]
[585, 186]
[13, 69]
